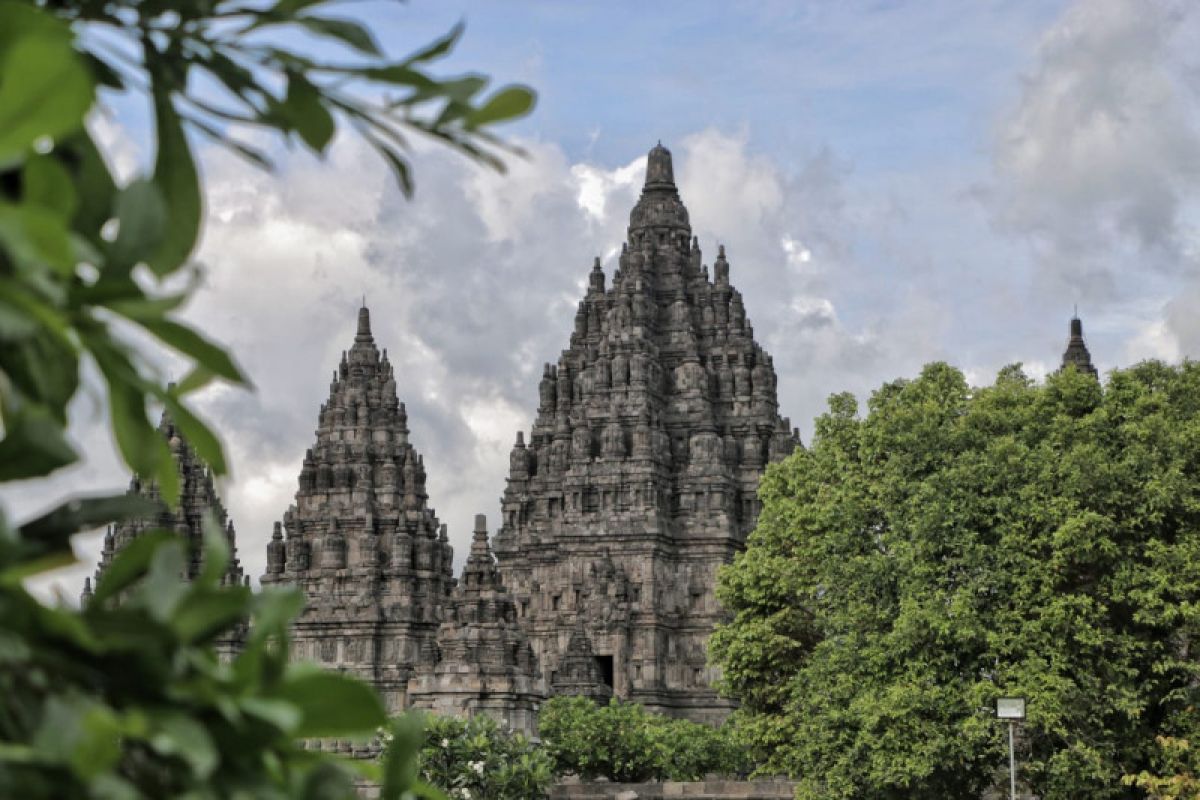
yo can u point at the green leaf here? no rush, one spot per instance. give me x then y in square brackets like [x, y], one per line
[53, 530]
[34, 444]
[190, 343]
[43, 368]
[79, 732]
[164, 587]
[197, 378]
[131, 563]
[279, 713]
[507, 104]
[327, 780]
[176, 734]
[345, 30]
[307, 114]
[331, 704]
[39, 65]
[399, 766]
[94, 187]
[439, 47]
[142, 214]
[274, 609]
[398, 165]
[141, 444]
[47, 183]
[175, 176]
[102, 73]
[196, 433]
[37, 237]
[216, 552]
[204, 613]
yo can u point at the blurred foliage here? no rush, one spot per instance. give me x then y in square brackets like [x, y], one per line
[128, 700]
[626, 743]
[956, 544]
[78, 251]
[473, 759]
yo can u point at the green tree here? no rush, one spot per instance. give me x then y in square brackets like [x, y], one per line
[127, 700]
[1176, 777]
[957, 544]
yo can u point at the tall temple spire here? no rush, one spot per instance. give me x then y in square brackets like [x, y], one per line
[639, 477]
[1077, 354]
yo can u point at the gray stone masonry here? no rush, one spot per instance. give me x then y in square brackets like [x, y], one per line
[360, 540]
[639, 477]
[483, 661]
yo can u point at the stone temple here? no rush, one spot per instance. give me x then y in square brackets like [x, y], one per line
[636, 483]
[361, 541]
[638, 478]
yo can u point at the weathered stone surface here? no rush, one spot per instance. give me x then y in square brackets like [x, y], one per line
[578, 672]
[639, 477]
[484, 664]
[360, 539]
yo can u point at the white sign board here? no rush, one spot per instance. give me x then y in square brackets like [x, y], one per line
[1010, 708]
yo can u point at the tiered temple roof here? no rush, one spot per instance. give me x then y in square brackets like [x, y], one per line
[639, 477]
[361, 540]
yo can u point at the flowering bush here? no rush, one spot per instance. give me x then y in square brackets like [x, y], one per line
[624, 742]
[473, 759]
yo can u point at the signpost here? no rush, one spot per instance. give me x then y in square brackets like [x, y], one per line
[1013, 710]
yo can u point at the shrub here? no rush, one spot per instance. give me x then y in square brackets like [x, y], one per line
[626, 743]
[475, 758]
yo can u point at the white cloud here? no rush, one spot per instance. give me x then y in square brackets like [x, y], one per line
[1097, 164]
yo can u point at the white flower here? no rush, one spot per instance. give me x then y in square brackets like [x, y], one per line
[477, 766]
[445, 742]
[462, 792]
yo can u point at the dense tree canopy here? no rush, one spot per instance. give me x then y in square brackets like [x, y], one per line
[957, 544]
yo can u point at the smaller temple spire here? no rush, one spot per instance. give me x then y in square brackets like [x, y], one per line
[596, 278]
[1077, 354]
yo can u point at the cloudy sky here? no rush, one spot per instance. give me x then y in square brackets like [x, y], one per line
[896, 183]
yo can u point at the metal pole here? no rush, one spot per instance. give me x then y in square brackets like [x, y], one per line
[1012, 764]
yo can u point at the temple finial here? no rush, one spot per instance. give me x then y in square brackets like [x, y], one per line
[659, 169]
[364, 324]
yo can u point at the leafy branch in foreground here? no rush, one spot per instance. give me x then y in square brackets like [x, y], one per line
[74, 244]
[128, 699]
